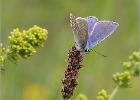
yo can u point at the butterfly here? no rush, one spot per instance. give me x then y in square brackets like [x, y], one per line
[89, 32]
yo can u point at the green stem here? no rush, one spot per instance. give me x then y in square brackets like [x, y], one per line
[0, 85]
[114, 93]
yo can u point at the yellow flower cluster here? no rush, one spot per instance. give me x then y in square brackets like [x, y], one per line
[131, 69]
[135, 56]
[102, 95]
[36, 36]
[122, 79]
[3, 54]
[81, 97]
[24, 44]
[133, 64]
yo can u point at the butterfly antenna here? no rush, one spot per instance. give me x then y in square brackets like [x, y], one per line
[99, 53]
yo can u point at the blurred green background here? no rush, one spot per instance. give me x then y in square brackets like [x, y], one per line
[39, 78]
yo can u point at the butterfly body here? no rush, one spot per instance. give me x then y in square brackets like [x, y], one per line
[88, 32]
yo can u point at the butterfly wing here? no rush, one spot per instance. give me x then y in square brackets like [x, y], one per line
[82, 23]
[80, 30]
[101, 31]
[91, 20]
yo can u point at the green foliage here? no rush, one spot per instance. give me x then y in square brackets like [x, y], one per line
[23, 44]
[3, 54]
[36, 36]
[131, 69]
[133, 64]
[122, 79]
[102, 95]
[81, 97]
[19, 45]
[135, 57]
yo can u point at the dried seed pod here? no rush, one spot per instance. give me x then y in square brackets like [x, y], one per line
[69, 82]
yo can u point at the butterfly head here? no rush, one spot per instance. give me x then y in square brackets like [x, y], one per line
[81, 48]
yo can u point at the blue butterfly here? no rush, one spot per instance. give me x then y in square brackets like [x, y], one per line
[88, 32]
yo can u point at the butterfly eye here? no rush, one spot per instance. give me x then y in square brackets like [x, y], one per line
[86, 50]
[76, 44]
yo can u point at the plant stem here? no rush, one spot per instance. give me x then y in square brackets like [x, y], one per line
[69, 83]
[114, 93]
[0, 84]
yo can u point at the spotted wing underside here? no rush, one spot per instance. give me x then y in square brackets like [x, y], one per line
[80, 30]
